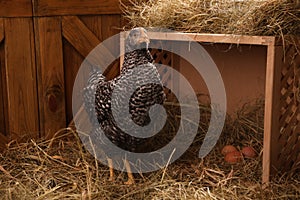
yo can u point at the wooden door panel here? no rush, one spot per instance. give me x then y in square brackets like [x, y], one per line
[94, 23]
[15, 8]
[77, 34]
[105, 26]
[75, 7]
[51, 87]
[3, 95]
[82, 35]
[72, 62]
[1, 29]
[20, 77]
[42, 45]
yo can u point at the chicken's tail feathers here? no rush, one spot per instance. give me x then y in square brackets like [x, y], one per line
[95, 78]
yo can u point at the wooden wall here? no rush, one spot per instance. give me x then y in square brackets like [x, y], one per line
[42, 45]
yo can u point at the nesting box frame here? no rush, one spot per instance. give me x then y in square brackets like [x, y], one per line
[281, 143]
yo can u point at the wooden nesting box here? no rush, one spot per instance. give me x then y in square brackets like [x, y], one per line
[252, 67]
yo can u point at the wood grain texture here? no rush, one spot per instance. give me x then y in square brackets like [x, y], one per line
[271, 125]
[94, 23]
[3, 96]
[21, 77]
[213, 38]
[84, 41]
[111, 28]
[15, 8]
[1, 29]
[102, 27]
[76, 7]
[72, 62]
[50, 71]
[77, 34]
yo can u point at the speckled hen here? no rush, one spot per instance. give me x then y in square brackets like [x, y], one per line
[140, 102]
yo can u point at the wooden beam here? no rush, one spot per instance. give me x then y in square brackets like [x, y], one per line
[77, 34]
[50, 70]
[1, 29]
[271, 115]
[91, 32]
[72, 63]
[110, 28]
[75, 7]
[3, 96]
[212, 38]
[15, 8]
[83, 40]
[112, 23]
[94, 23]
[21, 77]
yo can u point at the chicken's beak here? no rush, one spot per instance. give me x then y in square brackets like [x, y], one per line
[144, 39]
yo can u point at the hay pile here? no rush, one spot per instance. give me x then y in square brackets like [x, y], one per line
[253, 17]
[62, 169]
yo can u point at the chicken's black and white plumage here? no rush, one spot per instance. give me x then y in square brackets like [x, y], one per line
[140, 102]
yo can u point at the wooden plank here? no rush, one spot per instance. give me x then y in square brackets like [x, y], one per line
[21, 77]
[1, 29]
[77, 34]
[50, 71]
[271, 115]
[2, 80]
[3, 94]
[111, 28]
[72, 62]
[112, 24]
[84, 40]
[15, 8]
[76, 7]
[212, 38]
[94, 23]
[268, 115]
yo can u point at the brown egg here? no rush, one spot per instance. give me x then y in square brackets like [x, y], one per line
[233, 157]
[227, 149]
[248, 152]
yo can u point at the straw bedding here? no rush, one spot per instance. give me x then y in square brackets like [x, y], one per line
[255, 17]
[61, 168]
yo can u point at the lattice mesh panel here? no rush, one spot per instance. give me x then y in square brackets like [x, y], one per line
[161, 58]
[288, 157]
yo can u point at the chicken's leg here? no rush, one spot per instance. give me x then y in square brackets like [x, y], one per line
[130, 180]
[111, 169]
